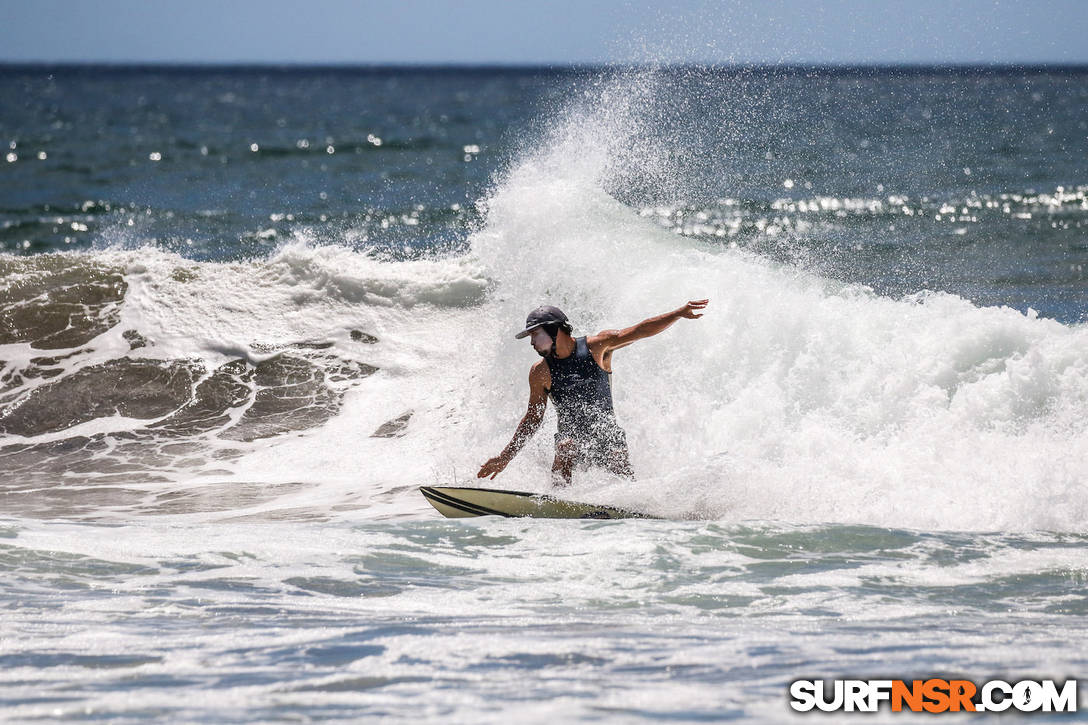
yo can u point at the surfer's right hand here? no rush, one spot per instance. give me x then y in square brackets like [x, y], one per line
[493, 467]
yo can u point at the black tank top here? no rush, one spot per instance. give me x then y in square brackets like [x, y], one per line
[582, 393]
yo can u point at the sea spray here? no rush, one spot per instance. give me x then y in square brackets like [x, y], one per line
[797, 397]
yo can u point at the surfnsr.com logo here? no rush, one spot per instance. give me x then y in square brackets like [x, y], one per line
[933, 695]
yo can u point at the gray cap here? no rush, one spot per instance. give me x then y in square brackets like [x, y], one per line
[543, 315]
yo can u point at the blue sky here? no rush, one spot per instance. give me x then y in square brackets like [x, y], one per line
[557, 32]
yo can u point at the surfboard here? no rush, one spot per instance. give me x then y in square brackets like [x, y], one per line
[455, 503]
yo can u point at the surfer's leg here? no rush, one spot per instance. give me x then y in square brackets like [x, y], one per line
[566, 451]
[619, 463]
[616, 457]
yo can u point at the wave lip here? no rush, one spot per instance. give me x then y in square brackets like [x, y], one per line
[344, 276]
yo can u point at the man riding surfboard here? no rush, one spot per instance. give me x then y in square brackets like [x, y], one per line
[576, 374]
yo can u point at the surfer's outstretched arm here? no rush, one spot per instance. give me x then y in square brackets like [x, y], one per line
[615, 339]
[539, 378]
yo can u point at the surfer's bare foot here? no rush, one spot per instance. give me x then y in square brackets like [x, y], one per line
[563, 465]
[559, 480]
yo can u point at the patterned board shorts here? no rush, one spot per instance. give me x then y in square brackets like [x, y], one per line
[605, 448]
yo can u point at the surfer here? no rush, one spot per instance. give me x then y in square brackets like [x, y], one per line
[576, 374]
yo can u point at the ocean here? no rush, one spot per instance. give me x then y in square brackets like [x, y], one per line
[245, 312]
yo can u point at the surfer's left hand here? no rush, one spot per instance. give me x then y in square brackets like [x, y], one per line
[689, 310]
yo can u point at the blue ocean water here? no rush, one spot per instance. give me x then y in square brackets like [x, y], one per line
[846, 169]
[246, 312]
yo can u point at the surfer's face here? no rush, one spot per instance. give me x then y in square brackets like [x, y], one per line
[542, 342]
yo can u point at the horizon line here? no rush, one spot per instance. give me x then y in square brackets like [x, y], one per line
[1045, 66]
